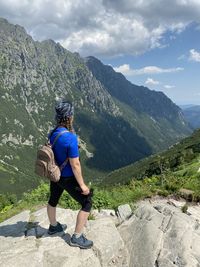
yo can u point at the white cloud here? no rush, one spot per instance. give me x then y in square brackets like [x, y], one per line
[181, 57]
[126, 70]
[106, 27]
[169, 86]
[151, 81]
[194, 55]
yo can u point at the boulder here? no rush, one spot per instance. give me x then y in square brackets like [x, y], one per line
[108, 244]
[124, 212]
[187, 194]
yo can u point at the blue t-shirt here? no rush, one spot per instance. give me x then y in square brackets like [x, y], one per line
[66, 146]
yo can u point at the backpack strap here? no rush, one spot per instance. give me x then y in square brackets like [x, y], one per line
[57, 136]
[62, 166]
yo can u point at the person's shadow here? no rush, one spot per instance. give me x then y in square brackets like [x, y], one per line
[27, 229]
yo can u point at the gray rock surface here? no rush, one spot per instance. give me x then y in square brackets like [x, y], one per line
[158, 234]
[124, 212]
[30, 245]
[162, 235]
[15, 226]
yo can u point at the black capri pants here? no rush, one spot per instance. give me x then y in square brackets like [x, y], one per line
[71, 185]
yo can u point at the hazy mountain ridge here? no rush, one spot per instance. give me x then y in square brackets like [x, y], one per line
[34, 74]
[192, 115]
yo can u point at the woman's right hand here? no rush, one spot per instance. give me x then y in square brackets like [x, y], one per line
[85, 189]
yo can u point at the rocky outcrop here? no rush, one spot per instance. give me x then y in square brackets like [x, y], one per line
[158, 234]
[25, 242]
[161, 235]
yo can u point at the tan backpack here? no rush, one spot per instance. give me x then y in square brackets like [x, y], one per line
[45, 165]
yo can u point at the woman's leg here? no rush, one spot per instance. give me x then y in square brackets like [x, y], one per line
[81, 221]
[55, 194]
[73, 188]
[51, 211]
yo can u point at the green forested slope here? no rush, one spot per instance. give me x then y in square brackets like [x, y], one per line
[186, 152]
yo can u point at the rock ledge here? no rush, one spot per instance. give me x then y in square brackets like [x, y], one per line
[158, 234]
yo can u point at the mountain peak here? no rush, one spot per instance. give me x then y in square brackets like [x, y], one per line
[16, 32]
[92, 58]
[5, 25]
[3, 20]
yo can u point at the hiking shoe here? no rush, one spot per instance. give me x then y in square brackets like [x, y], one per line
[56, 229]
[81, 242]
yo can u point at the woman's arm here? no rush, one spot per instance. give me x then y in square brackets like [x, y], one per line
[76, 168]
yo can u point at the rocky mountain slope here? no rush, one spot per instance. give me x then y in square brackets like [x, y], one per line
[151, 112]
[158, 234]
[114, 132]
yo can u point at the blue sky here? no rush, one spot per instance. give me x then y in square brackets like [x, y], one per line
[153, 43]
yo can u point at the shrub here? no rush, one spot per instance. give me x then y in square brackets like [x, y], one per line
[40, 194]
[7, 201]
[101, 199]
[67, 202]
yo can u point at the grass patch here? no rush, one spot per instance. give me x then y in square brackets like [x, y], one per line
[110, 197]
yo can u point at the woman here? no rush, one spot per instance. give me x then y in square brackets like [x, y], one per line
[71, 179]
